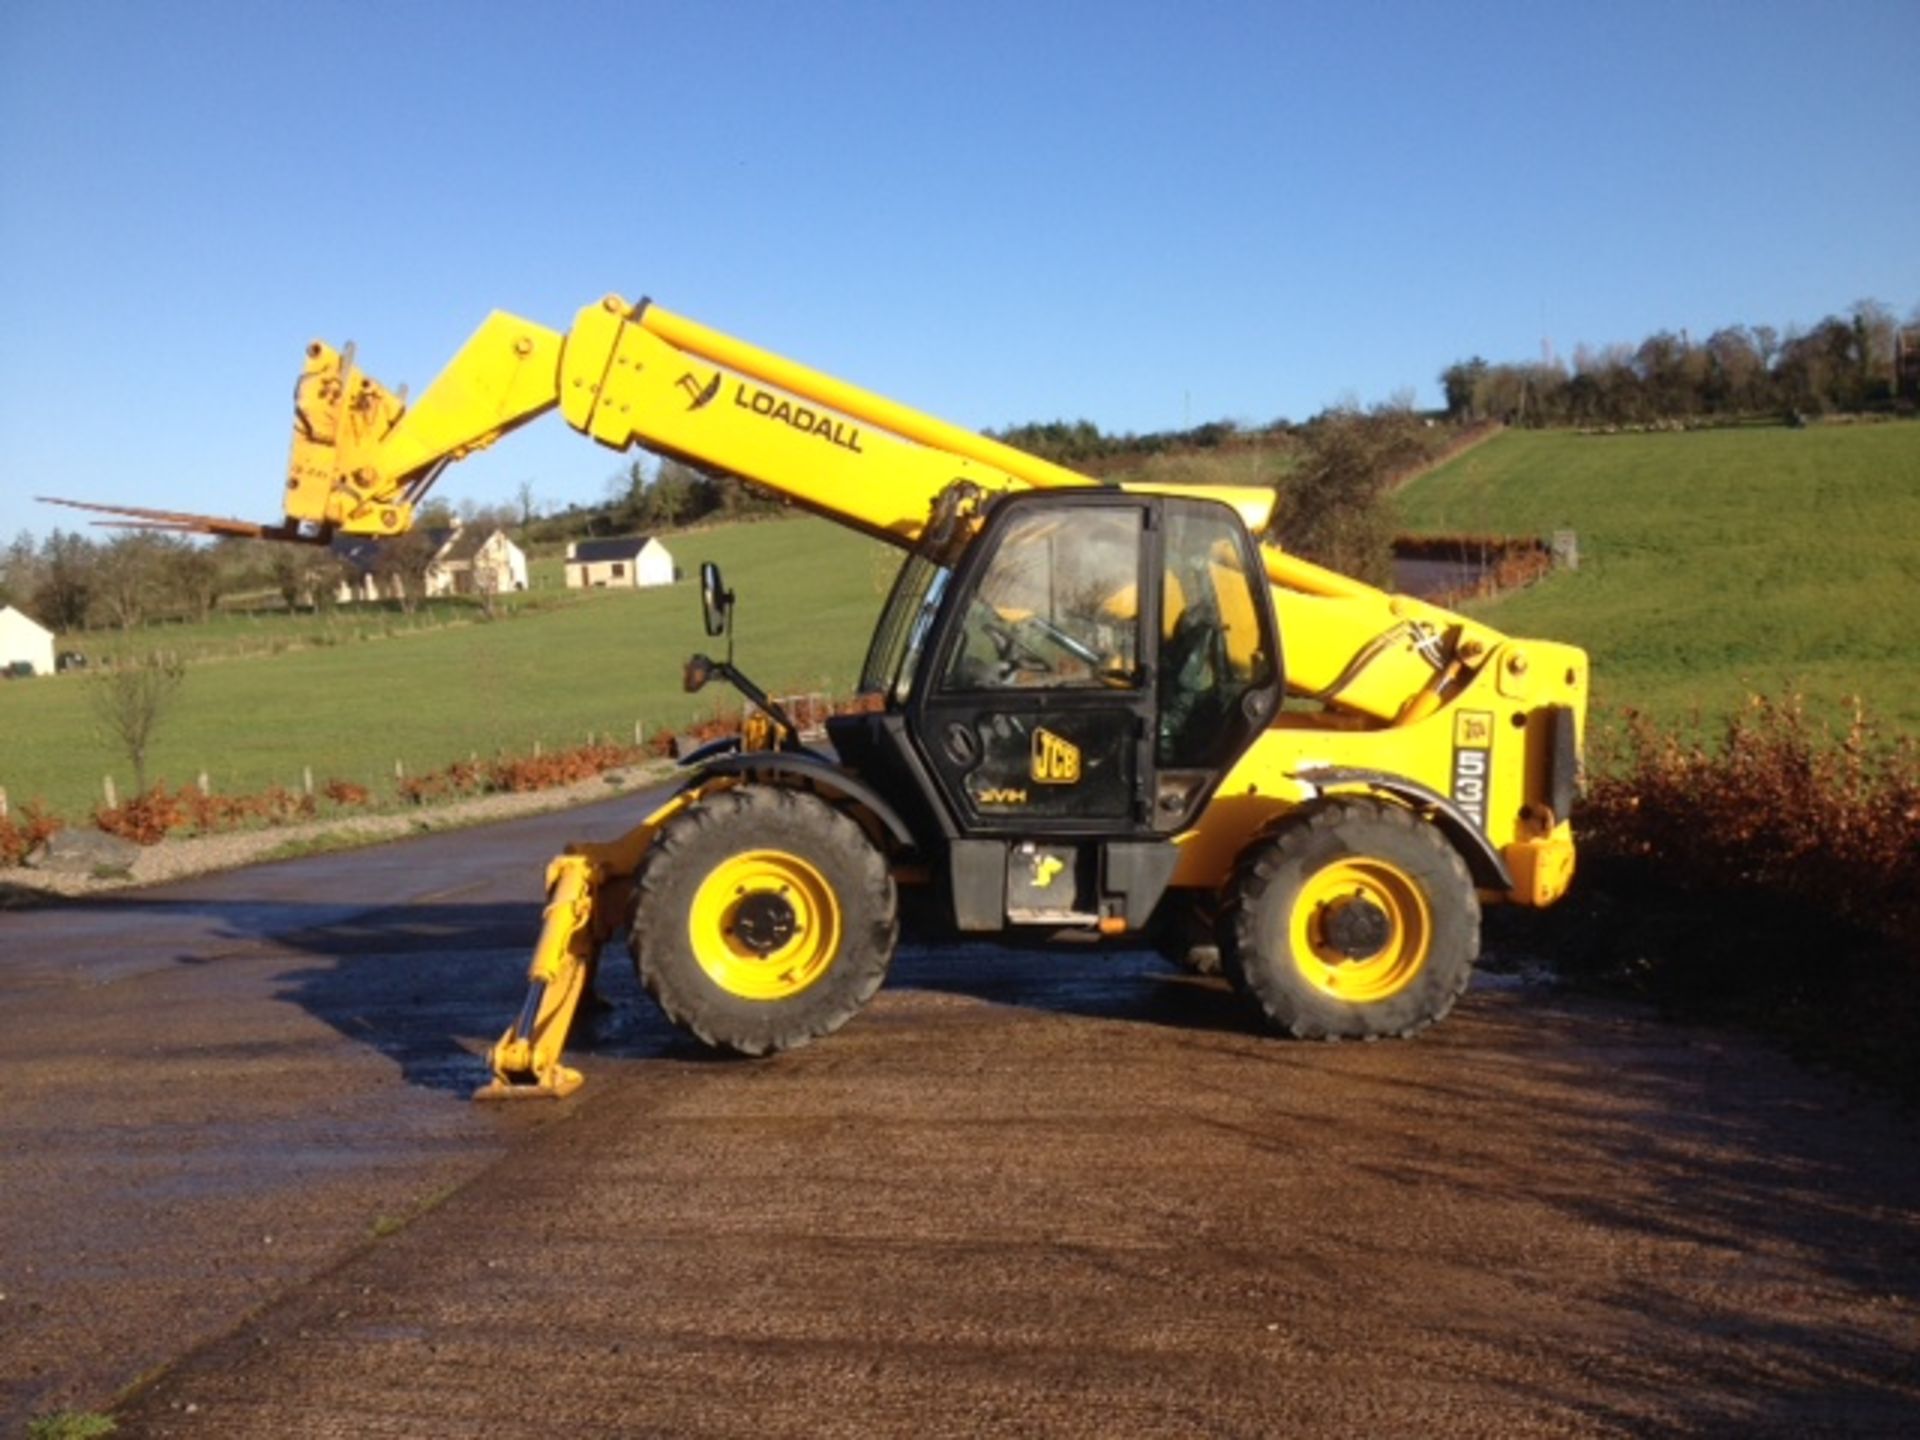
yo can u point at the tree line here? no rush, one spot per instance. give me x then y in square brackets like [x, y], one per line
[70, 581]
[1082, 445]
[1862, 361]
[643, 497]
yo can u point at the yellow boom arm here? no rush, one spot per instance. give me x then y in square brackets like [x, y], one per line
[628, 375]
[640, 374]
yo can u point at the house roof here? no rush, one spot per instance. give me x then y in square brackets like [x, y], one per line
[470, 541]
[593, 552]
[8, 610]
[362, 552]
[356, 550]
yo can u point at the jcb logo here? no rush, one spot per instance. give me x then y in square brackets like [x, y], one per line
[1056, 760]
[1472, 742]
[1473, 730]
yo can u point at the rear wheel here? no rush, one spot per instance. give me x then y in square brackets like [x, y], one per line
[764, 918]
[1354, 921]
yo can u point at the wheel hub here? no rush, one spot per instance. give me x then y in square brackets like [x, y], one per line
[763, 922]
[1357, 928]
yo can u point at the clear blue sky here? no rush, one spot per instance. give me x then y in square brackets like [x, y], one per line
[1144, 215]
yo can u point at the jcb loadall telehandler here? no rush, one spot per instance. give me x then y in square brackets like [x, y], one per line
[1079, 721]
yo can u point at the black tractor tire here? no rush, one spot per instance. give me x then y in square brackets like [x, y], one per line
[763, 918]
[1186, 935]
[1354, 920]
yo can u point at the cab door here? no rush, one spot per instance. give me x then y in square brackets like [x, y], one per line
[1037, 702]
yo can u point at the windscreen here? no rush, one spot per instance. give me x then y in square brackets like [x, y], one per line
[902, 632]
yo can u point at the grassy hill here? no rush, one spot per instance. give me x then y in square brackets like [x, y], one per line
[1713, 563]
[350, 694]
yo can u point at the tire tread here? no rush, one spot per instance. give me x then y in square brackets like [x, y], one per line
[682, 848]
[1272, 862]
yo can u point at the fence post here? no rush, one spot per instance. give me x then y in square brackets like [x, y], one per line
[399, 770]
[205, 785]
[106, 789]
[306, 779]
[3, 803]
[1566, 550]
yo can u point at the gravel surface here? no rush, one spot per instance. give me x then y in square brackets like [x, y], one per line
[1068, 1194]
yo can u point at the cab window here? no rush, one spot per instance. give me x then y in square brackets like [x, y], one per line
[1057, 606]
[1211, 648]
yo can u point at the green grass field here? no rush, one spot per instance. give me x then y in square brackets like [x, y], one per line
[1713, 564]
[357, 693]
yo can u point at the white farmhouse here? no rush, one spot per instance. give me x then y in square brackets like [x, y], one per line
[630, 561]
[474, 564]
[465, 562]
[24, 640]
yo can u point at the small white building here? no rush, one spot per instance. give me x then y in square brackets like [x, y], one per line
[628, 562]
[474, 564]
[24, 640]
[465, 562]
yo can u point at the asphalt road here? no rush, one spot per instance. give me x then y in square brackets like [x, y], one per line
[1074, 1194]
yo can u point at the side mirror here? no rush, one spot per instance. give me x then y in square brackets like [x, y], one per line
[716, 601]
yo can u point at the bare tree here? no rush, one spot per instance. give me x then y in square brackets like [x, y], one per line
[402, 561]
[65, 592]
[131, 699]
[486, 585]
[1874, 328]
[21, 571]
[1334, 507]
[127, 578]
[627, 495]
[195, 575]
[305, 575]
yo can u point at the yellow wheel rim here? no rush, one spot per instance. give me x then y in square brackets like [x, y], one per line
[1361, 930]
[764, 925]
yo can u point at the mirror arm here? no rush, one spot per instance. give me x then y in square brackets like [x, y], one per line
[756, 696]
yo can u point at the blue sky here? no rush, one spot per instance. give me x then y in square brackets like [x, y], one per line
[1144, 215]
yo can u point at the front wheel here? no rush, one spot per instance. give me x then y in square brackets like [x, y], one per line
[1355, 920]
[763, 918]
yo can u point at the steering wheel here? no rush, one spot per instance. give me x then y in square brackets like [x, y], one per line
[1016, 654]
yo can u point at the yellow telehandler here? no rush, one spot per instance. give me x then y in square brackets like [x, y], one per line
[1095, 710]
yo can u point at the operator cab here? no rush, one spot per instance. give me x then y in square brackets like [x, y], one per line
[1067, 697]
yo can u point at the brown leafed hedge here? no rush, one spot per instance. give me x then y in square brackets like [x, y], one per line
[20, 833]
[1778, 804]
[1769, 875]
[162, 810]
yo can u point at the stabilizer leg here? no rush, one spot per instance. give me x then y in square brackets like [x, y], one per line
[589, 892]
[526, 1060]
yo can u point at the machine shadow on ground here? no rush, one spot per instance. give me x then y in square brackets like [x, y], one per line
[430, 985]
